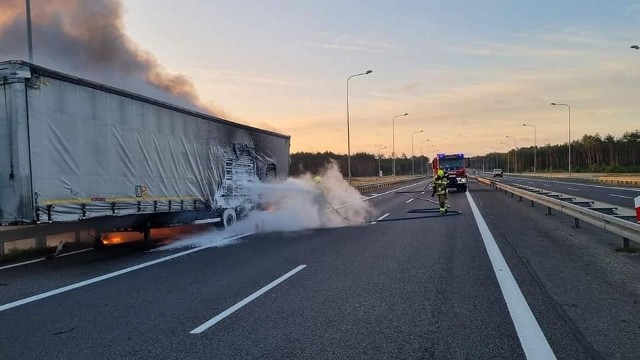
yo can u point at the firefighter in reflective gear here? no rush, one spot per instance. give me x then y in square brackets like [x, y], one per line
[440, 188]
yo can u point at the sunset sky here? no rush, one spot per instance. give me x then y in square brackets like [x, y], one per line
[467, 72]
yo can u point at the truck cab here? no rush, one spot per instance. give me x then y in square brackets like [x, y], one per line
[454, 166]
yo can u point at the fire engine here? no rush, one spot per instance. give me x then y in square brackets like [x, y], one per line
[454, 166]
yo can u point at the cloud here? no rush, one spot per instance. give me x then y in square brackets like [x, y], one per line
[349, 42]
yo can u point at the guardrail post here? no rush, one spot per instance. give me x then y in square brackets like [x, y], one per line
[1, 249]
[41, 242]
[576, 223]
[625, 243]
[520, 198]
[548, 210]
[511, 194]
[532, 203]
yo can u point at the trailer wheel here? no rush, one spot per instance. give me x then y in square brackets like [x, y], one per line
[228, 218]
[146, 231]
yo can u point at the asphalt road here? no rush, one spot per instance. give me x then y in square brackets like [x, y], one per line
[619, 196]
[412, 285]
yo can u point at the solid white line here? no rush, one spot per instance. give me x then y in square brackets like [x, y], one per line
[40, 259]
[380, 218]
[375, 196]
[621, 196]
[532, 339]
[383, 216]
[410, 200]
[75, 252]
[22, 263]
[574, 189]
[107, 276]
[245, 301]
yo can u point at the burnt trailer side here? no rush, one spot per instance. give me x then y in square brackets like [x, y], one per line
[73, 149]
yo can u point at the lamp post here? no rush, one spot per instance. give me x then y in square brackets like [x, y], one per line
[503, 143]
[422, 156]
[569, 107]
[535, 144]
[515, 153]
[29, 44]
[348, 133]
[379, 168]
[413, 166]
[393, 150]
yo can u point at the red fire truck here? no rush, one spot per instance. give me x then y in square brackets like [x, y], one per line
[454, 166]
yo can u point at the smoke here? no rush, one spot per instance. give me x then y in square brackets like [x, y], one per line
[294, 204]
[299, 203]
[87, 39]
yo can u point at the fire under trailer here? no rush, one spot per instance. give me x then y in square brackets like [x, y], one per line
[77, 151]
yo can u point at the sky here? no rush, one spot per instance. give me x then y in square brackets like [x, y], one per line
[469, 73]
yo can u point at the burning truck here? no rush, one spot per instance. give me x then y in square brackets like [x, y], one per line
[74, 151]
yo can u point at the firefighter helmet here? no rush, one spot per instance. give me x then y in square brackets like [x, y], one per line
[440, 172]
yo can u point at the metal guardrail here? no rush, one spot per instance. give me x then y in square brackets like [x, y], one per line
[630, 231]
[380, 185]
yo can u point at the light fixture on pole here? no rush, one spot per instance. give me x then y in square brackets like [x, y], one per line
[348, 132]
[393, 150]
[379, 168]
[413, 166]
[569, 107]
[515, 153]
[535, 144]
[635, 47]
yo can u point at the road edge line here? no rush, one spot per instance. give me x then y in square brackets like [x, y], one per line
[532, 339]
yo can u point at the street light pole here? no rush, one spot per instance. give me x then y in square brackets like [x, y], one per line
[393, 150]
[502, 143]
[569, 107]
[348, 131]
[515, 153]
[535, 144]
[413, 166]
[29, 44]
[422, 156]
[379, 168]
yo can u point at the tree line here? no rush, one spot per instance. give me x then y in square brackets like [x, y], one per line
[362, 164]
[591, 153]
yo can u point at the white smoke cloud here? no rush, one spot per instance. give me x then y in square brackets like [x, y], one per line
[299, 203]
[294, 204]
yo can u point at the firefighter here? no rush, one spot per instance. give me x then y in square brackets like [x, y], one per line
[440, 188]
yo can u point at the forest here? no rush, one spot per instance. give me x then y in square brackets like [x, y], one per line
[591, 153]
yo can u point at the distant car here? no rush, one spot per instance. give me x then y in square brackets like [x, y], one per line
[497, 172]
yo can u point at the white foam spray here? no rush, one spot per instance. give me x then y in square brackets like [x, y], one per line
[300, 203]
[294, 204]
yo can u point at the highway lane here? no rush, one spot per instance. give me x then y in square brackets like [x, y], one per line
[609, 194]
[407, 287]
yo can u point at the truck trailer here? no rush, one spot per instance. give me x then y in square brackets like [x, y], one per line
[73, 149]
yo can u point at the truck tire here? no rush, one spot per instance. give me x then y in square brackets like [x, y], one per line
[228, 218]
[146, 234]
[463, 188]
